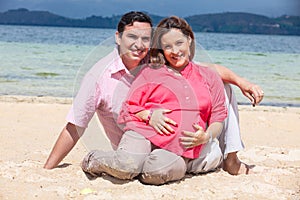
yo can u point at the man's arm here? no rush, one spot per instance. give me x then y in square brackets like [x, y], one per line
[252, 91]
[64, 144]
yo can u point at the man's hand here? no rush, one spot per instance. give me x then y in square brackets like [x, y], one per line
[252, 91]
[160, 122]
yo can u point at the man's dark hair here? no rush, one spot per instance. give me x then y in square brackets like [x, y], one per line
[131, 17]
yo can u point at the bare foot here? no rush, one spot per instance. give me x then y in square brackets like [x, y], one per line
[234, 166]
[246, 169]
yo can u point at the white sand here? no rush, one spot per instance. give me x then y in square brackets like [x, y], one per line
[31, 125]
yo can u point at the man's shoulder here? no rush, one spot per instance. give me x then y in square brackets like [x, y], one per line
[109, 60]
[108, 64]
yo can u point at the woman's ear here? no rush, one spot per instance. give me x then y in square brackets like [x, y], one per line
[118, 38]
[190, 40]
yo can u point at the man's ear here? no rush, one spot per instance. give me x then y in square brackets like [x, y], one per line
[118, 38]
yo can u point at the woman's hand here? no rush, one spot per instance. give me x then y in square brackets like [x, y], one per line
[160, 122]
[194, 139]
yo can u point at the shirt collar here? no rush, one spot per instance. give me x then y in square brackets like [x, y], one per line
[118, 69]
[187, 70]
[117, 64]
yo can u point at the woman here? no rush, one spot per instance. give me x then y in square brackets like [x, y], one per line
[172, 88]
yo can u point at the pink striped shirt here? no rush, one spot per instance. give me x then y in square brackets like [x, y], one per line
[102, 91]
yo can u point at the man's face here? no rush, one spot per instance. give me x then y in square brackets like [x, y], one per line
[134, 43]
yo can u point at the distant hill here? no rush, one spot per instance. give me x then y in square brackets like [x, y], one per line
[245, 23]
[220, 23]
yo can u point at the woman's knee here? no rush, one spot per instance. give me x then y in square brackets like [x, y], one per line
[162, 166]
[215, 156]
[131, 153]
[209, 159]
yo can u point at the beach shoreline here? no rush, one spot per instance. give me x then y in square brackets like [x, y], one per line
[68, 100]
[31, 125]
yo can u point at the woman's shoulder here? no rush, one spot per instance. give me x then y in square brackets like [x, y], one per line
[205, 69]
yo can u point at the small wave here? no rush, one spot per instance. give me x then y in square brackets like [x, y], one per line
[7, 81]
[27, 68]
[255, 54]
[46, 74]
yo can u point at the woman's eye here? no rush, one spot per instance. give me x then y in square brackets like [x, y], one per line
[179, 43]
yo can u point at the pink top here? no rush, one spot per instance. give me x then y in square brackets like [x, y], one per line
[195, 97]
[102, 91]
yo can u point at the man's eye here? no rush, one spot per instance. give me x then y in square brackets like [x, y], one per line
[146, 39]
[134, 37]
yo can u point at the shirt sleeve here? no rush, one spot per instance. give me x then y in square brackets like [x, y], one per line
[216, 88]
[85, 103]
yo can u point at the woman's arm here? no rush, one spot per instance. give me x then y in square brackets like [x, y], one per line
[217, 113]
[214, 130]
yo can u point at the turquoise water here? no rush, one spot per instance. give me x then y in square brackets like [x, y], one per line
[45, 61]
[277, 73]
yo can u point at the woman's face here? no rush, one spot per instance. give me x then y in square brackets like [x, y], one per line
[176, 48]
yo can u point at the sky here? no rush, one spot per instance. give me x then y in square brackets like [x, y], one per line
[182, 8]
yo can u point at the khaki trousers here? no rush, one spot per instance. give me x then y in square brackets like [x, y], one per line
[135, 156]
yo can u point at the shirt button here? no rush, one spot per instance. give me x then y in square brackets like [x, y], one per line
[187, 98]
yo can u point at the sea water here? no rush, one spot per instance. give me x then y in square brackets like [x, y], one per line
[50, 61]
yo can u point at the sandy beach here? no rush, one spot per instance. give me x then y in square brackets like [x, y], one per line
[31, 125]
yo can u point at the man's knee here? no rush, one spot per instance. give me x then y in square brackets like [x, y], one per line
[114, 163]
[91, 164]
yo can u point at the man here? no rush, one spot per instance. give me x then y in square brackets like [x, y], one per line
[99, 92]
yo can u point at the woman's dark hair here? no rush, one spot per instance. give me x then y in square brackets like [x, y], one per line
[131, 17]
[164, 26]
